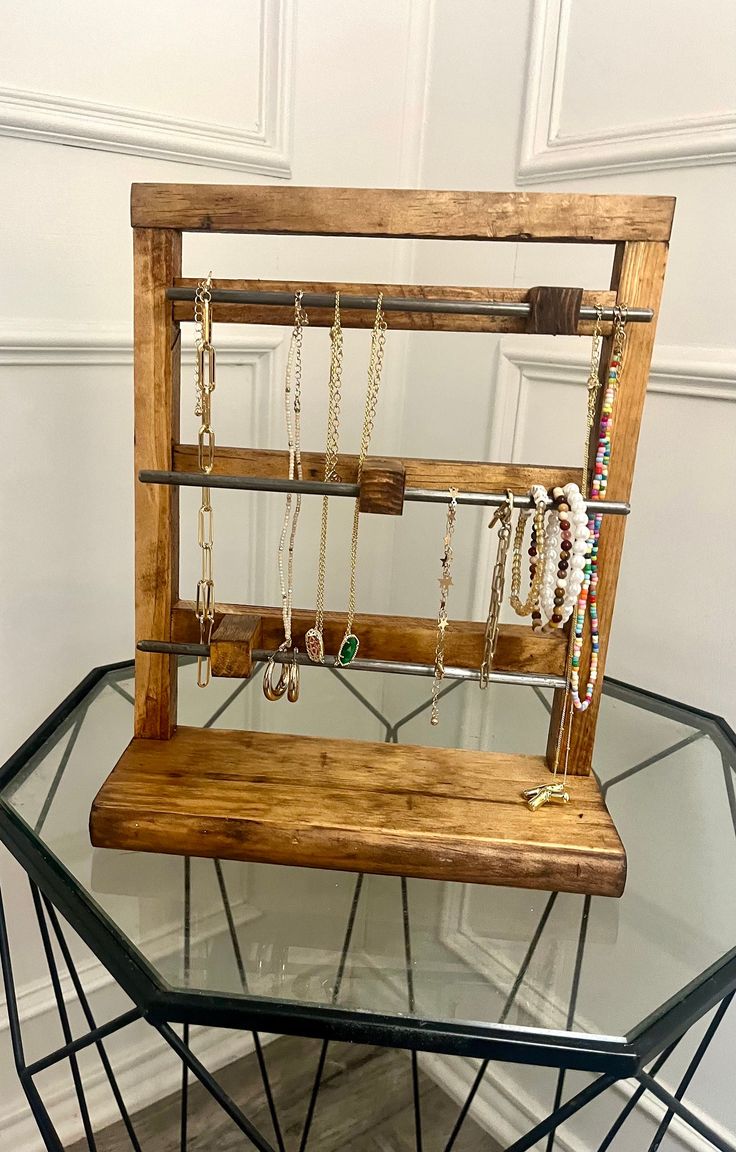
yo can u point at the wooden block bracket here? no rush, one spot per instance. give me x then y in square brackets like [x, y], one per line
[382, 484]
[232, 644]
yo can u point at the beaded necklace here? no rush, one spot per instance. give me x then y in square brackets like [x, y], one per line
[587, 600]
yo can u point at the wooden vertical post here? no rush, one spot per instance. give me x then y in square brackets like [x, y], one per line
[638, 277]
[157, 260]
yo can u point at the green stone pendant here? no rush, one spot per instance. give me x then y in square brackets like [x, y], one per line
[348, 650]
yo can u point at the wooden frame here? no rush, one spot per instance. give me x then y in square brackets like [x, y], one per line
[639, 227]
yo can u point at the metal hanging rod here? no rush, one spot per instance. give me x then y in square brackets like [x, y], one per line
[396, 667]
[319, 488]
[397, 304]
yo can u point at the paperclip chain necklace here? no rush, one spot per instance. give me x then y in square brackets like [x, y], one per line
[314, 638]
[502, 516]
[349, 644]
[289, 679]
[205, 386]
[587, 600]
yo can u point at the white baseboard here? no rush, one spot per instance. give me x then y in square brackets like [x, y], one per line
[148, 1072]
[144, 1065]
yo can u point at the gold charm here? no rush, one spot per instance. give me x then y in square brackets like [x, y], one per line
[545, 794]
[315, 645]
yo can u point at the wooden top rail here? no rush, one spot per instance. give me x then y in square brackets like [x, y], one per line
[468, 475]
[402, 213]
[266, 313]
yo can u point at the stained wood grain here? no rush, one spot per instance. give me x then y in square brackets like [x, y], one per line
[370, 807]
[439, 475]
[228, 313]
[554, 310]
[401, 212]
[233, 641]
[639, 277]
[405, 638]
[157, 259]
[382, 485]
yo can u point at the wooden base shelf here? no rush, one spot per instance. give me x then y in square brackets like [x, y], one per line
[360, 806]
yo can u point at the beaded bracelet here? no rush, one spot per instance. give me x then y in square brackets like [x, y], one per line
[558, 599]
[587, 600]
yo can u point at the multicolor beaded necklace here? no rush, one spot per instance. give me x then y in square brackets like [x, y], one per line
[587, 600]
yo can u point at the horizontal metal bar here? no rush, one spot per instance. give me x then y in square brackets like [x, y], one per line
[92, 1037]
[531, 679]
[319, 488]
[397, 304]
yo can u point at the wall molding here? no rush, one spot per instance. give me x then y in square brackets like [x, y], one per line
[145, 1075]
[78, 345]
[146, 1072]
[547, 154]
[684, 372]
[263, 147]
[31, 345]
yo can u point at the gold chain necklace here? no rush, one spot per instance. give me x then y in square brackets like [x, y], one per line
[205, 386]
[314, 638]
[502, 517]
[288, 680]
[593, 384]
[443, 623]
[536, 555]
[349, 644]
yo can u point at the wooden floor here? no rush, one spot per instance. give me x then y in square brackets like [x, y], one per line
[364, 1105]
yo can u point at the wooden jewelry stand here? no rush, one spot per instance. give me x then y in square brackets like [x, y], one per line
[441, 813]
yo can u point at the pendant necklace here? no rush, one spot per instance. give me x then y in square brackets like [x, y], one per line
[314, 639]
[288, 681]
[349, 644]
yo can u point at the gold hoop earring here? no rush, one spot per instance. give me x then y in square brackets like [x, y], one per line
[275, 691]
[292, 693]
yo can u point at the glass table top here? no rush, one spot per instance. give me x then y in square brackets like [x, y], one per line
[424, 950]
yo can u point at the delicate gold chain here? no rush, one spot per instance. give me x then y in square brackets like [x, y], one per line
[527, 606]
[594, 384]
[442, 620]
[502, 517]
[331, 476]
[205, 386]
[349, 644]
[292, 404]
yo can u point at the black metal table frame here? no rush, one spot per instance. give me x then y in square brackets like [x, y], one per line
[53, 889]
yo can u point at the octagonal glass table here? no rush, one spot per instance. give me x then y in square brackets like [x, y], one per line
[498, 974]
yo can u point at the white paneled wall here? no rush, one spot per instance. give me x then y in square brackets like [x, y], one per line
[483, 94]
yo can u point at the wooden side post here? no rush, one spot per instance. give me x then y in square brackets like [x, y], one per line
[157, 260]
[638, 277]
